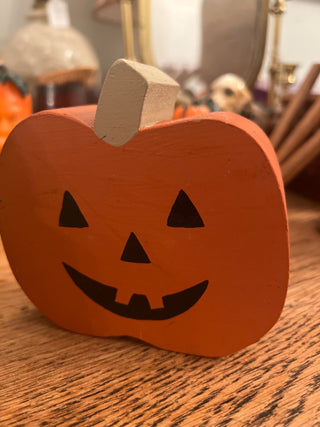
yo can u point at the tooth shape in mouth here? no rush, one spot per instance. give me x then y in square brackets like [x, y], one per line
[138, 307]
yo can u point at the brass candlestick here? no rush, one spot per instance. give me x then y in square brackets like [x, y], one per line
[145, 38]
[287, 76]
[277, 10]
[127, 29]
[144, 30]
[281, 74]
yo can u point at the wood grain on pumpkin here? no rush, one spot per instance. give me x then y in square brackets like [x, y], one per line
[51, 377]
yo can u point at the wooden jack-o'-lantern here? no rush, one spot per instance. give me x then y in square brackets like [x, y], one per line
[15, 102]
[119, 223]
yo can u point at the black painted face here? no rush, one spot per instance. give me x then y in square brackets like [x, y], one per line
[183, 214]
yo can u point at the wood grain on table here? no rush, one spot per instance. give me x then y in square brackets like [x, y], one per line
[51, 377]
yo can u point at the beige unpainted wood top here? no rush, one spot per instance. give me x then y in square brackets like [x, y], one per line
[133, 96]
[51, 377]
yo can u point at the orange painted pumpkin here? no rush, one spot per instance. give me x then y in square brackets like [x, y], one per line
[192, 110]
[178, 237]
[15, 102]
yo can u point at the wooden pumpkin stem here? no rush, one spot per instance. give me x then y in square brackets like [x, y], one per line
[133, 95]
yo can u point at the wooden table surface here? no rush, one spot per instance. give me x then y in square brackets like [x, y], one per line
[50, 377]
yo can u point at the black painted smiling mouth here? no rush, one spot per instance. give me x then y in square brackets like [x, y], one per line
[138, 307]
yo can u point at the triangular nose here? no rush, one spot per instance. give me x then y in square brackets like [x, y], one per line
[134, 252]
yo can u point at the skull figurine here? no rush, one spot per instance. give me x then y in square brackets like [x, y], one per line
[229, 92]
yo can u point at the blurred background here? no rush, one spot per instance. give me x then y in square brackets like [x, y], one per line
[299, 39]
[257, 58]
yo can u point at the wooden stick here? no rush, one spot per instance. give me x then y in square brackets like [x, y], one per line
[301, 157]
[305, 127]
[292, 111]
[134, 95]
[145, 33]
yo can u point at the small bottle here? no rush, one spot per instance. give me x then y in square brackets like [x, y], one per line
[47, 52]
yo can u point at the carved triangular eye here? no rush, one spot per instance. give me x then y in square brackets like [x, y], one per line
[70, 215]
[184, 213]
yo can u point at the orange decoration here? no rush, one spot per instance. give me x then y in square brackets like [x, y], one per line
[15, 103]
[192, 110]
[177, 237]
